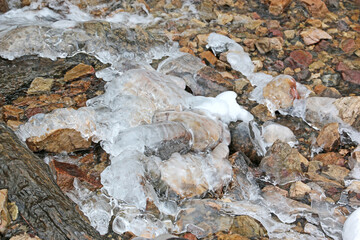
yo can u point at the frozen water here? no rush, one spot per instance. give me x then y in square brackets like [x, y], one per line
[351, 230]
[273, 131]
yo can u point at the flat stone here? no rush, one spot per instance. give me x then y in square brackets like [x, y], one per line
[289, 34]
[262, 113]
[330, 158]
[329, 137]
[11, 112]
[317, 8]
[248, 227]
[277, 6]
[314, 35]
[352, 76]
[348, 45]
[263, 45]
[208, 56]
[40, 85]
[60, 140]
[301, 58]
[299, 189]
[335, 172]
[78, 71]
[349, 110]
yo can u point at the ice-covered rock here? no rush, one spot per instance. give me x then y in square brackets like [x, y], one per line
[274, 131]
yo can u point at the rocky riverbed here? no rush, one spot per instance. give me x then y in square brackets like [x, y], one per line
[215, 119]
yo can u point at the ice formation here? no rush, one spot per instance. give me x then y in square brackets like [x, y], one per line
[351, 230]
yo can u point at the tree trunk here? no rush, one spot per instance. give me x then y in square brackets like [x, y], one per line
[40, 201]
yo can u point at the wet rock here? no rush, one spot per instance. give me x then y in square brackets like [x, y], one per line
[330, 158]
[12, 113]
[78, 71]
[331, 80]
[226, 236]
[283, 163]
[320, 111]
[40, 85]
[329, 137]
[352, 76]
[323, 91]
[4, 212]
[317, 8]
[348, 45]
[281, 92]
[57, 141]
[206, 133]
[277, 7]
[299, 59]
[262, 113]
[335, 172]
[271, 189]
[248, 227]
[298, 190]
[349, 110]
[273, 131]
[324, 182]
[66, 173]
[210, 83]
[314, 35]
[4, 7]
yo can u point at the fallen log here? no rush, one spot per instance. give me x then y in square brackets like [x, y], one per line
[40, 201]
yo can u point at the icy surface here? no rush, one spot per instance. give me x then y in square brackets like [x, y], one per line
[273, 131]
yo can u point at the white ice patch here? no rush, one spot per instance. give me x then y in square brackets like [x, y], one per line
[273, 131]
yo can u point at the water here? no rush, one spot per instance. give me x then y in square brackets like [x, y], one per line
[166, 146]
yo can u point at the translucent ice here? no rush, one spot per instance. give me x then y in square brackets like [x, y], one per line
[351, 230]
[273, 131]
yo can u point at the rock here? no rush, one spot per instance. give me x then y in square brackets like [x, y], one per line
[317, 8]
[208, 56]
[66, 173]
[300, 59]
[335, 172]
[315, 66]
[298, 190]
[354, 160]
[289, 34]
[209, 82]
[78, 71]
[263, 45]
[271, 189]
[330, 158]
[206, 133]
[226, 236]
[40, 85]
[329, 137]
[281, 92]
[277, 7]
[4, 212]
[224, 18]
[314, 35]
[4, 7]
[321, 111]
[331, 80]
[283, 163]
[12, 113]
[352, 76]
[348, 45]
[349, 110]
[25, 236]
[273, 131]
[248, 227]
[57, 141]
[262, 113]
[329, 92]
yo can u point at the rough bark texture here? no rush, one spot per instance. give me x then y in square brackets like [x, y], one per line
[40, 201]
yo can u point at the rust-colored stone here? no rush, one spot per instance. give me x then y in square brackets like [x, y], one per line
[330, 158]
[277, 7]
[80, 70]
[209, 56]
[317, 8]
[12, 113]
[301, 58]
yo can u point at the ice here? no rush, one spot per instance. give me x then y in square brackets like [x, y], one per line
[351, 230]
[273, 131]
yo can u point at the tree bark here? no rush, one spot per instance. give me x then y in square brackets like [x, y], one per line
[40, 201]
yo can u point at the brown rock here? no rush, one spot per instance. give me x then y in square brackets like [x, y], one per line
[352, 76]
[4, 7]
[68, 140]
[314, 35]
[277, 6]
[25, 236]
[12, 113]
[335, 172]
[330, 158]
[40, 85]
[317, 8]
[208, 56]
[263, 45]
[66, 173]
[14, 125]
[349, 110]
[329, 137]
[270, 189]
[262, 113]
[248, 227]
[348, 45]
[301, 58]
[226, 236]
[281, 91]
[80, 70]
[299, 189]
[4, 212]
[282, 162]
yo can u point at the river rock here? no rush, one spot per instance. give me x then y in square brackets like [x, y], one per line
[299, 59]
[248, 227]
[331, 80]
[40, 85]
[4, 212]
[78, 71]
[298, 190]
[25, 236]
[11, 112]
[281, 92]
[321, 111]
[314, 35]
[329, 137]
[277, 7]
[317, 8]
[348, 45]
[354, 160]
[335, 172]
[263, 45]
[262, 113]
[330, 158]
[57, 141]
[349, 110]
[283, 163]
[352, 76]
